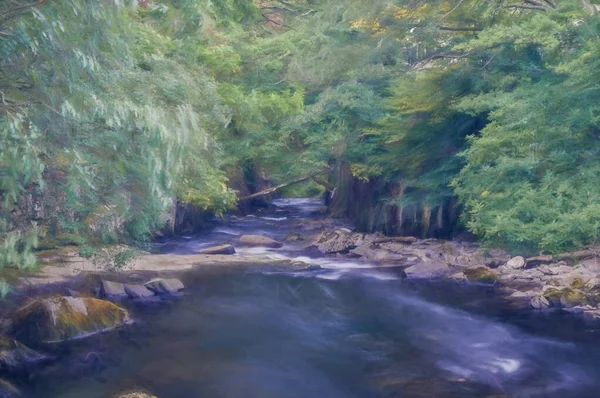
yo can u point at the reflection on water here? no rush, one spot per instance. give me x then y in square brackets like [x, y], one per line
[349, 330]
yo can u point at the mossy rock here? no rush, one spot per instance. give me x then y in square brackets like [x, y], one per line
[480, 275]
[572, 298]
[578, 283]
[66, 318]
[553, 296]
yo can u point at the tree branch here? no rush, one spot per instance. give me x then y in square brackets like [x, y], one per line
[278, 187]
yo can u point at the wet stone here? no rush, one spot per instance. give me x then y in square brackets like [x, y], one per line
[112, 290]
[138, 292]
[165, 286]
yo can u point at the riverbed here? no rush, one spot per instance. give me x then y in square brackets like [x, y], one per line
[348, 329]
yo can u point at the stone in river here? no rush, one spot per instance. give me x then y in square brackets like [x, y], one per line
[426, 270]
[165, 286]
[481, 275]
[65, 318]
[138, 292]
[259, 240]
[112, 290]
[222, 249]
[540, 302]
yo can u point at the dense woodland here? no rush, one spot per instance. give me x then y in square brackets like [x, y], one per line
[426, 118]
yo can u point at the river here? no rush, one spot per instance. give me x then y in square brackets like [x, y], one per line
[349, 330]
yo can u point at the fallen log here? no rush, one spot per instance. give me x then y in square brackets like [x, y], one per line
[538, 260]
[278, 187]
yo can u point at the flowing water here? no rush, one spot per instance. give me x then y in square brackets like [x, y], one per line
[349, 330]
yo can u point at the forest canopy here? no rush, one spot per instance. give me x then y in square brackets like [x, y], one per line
[413, 117]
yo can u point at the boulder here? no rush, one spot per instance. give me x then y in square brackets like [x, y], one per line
[294, 237]
[516, 263]
[165, 286]
[481, 275]
[138, 292]
[222, 249]
[16, 357]
[519, 294]
[112, 290]
[426, 270]
[259, 240]
[8, 390]
[539, 302]
[572, 298]
[65, 318]
[339, 241]
[373, 254]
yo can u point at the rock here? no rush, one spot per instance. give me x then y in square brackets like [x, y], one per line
[259, 240]
[516, 263]
[571, 298]
[339, 241]
[112, 290]
[379, 255]
[222, 249]
[481, 275]
[294, 238]
[566, 280]
[539, 302]
[66, 318]
[519, 294]
[165, 286]
[138, 292]
[8, 390]
[16, 357]
[427, 270]
[459, 277]
[552, 295]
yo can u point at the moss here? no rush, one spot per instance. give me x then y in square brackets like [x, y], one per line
[553, 294]
[480, 275]
[572, 297]
[577, 283]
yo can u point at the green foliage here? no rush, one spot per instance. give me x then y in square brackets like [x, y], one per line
[112, 112]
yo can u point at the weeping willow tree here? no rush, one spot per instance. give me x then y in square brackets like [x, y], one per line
[104, 120]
